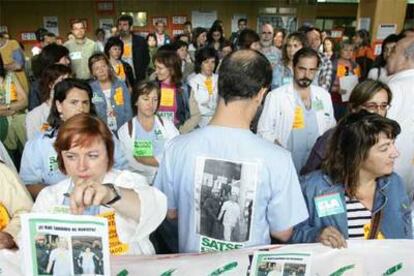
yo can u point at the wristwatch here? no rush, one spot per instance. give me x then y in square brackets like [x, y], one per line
[115, 190]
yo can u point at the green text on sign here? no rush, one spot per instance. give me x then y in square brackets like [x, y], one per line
[143, 148]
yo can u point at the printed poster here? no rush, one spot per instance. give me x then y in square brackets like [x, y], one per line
[224, 202]
[281, 264]
[51, 24]
[60, 244]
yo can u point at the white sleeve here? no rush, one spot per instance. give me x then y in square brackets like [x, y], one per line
[153, 203]
[267, 121]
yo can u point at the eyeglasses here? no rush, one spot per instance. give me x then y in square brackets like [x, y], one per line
[267, 33]
[375, 106]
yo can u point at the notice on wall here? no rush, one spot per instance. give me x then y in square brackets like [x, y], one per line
[364, 23]
[51, 24]
[385, 30]
[234, 21]
[61, 244]
[203, 19]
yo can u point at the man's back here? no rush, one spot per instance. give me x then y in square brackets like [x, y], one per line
[261, 176]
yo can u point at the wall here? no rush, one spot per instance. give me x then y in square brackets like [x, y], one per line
[24, 15]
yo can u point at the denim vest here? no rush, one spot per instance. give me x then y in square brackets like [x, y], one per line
[123, 111]
[390, 197]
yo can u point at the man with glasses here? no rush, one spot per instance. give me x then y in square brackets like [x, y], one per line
[296, 114]
[400, 67]
[272, 53]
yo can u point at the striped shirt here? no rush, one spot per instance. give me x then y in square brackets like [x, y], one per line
[358, 216]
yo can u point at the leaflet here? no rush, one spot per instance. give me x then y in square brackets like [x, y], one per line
[280, 264]
[62, 244]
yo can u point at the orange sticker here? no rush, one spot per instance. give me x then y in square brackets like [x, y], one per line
[299, 119]
[4, 217]
[119, 97]
[127, 50]
[167, 97]
[116, 247]
[367, 229]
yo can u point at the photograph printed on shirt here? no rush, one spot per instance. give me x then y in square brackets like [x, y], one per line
[224, 193]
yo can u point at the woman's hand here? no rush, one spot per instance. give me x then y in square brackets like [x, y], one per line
[89, 192]
[330, 236]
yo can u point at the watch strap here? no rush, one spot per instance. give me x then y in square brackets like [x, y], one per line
[116, 191]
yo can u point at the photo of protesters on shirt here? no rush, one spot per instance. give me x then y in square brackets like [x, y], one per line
[224, 194]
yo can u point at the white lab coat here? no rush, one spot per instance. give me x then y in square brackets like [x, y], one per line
[276, 121]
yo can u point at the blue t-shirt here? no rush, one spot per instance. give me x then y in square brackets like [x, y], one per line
[203, 172]
[301, 140]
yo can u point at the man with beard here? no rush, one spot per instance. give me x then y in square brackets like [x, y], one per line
[296, 114]
[80, 49]
[135, 51]
[272, 53]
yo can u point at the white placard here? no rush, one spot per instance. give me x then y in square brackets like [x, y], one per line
[385, 30]
[61, 244]
[106, 23]
[347, 84]
[51, 24]
[274, 263]
[203, 19]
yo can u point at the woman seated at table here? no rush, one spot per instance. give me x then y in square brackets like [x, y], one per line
[143, 138]
[39, 164]
[356, 195]
[370, 95]
[86, 154]
[110, 95]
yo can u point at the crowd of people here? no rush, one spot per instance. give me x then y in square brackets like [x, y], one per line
[203, 142]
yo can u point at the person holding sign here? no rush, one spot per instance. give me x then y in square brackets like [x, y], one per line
[110, 95]
[85, 150]
[39, 166]
[143, 138]
[295, 114]
[174, 104]
[203, 89]
[356, 195]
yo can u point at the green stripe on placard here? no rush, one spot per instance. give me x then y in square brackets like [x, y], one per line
[224, 269]
[393, 269]
[341, 271]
